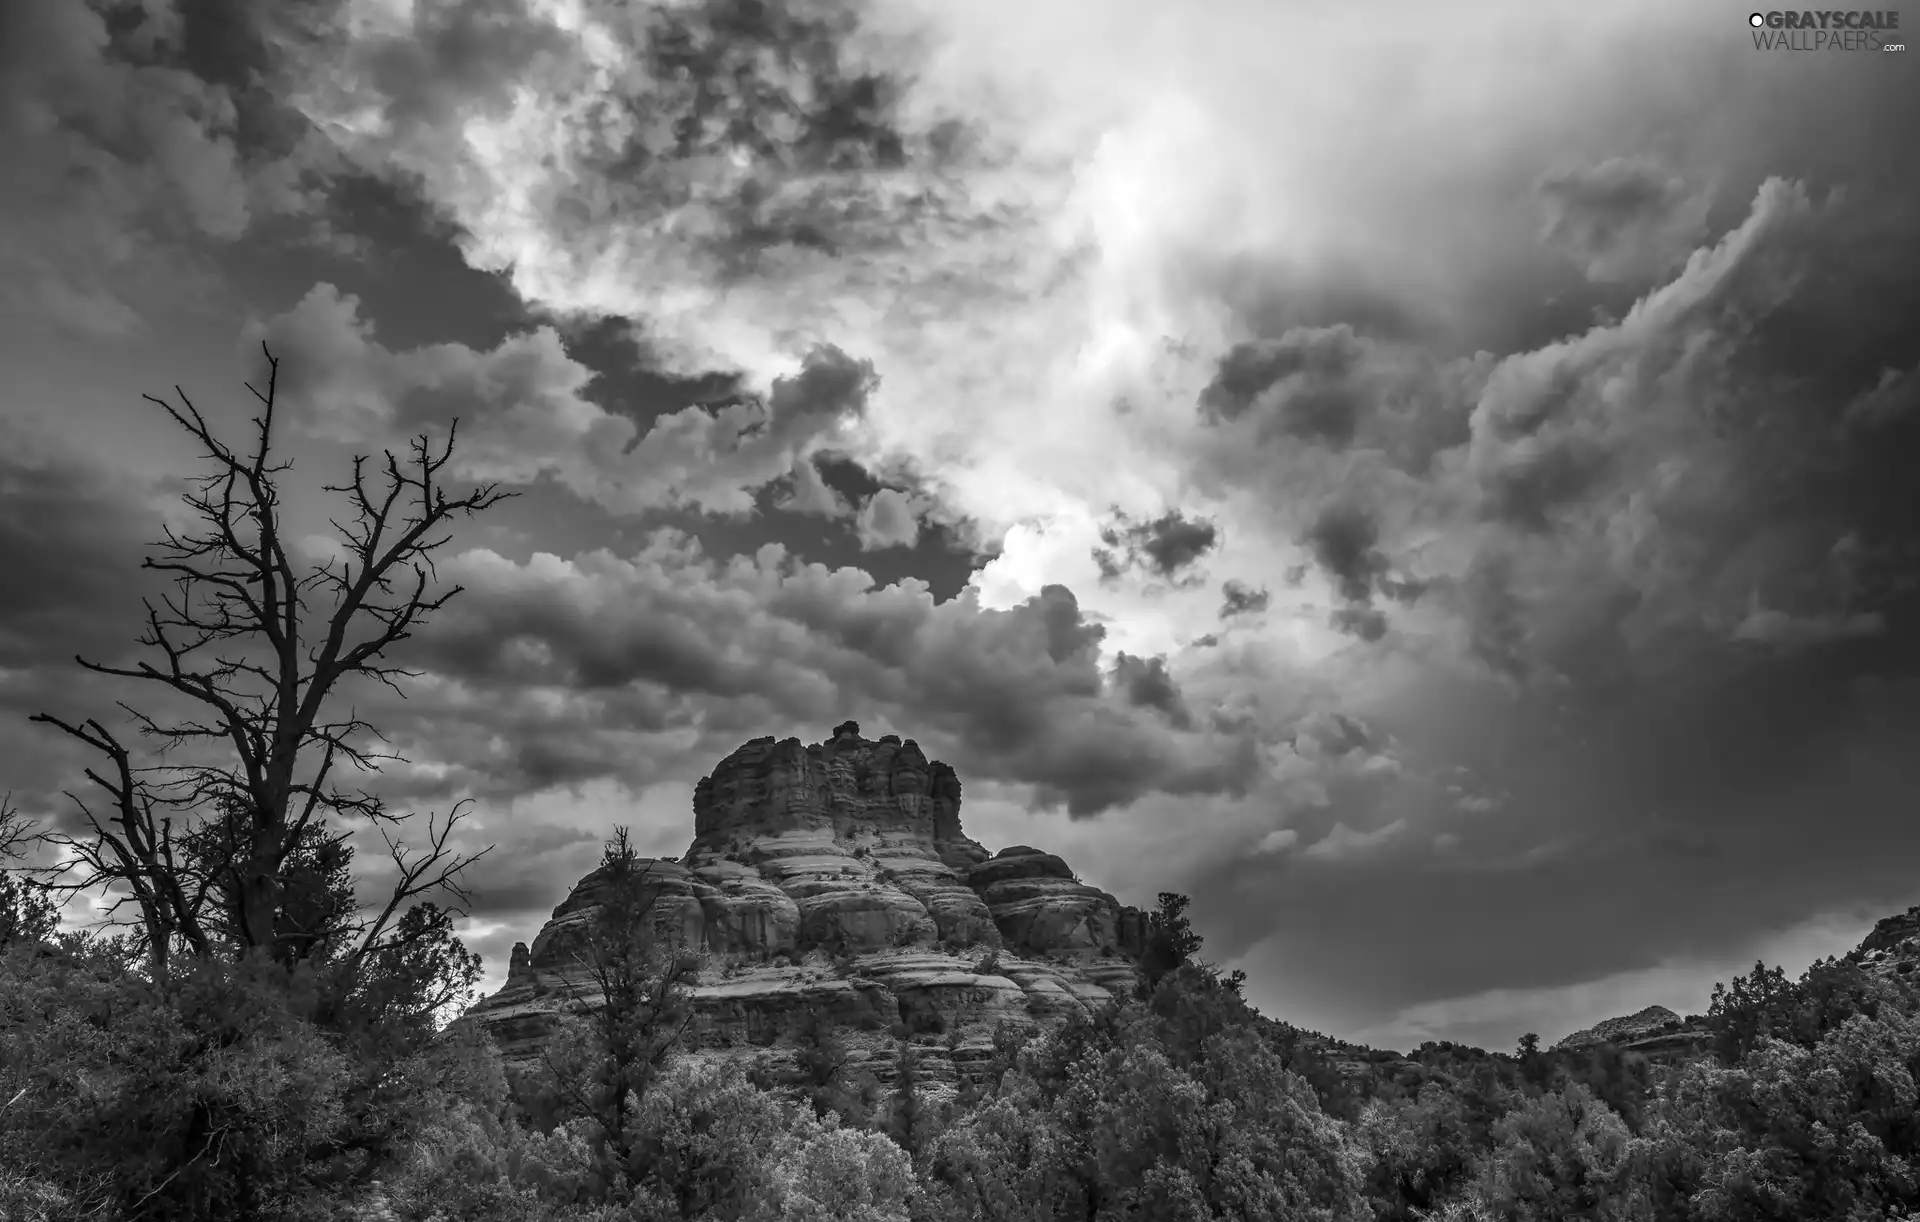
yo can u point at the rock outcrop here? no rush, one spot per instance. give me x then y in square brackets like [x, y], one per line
[832, 882]
[1892, 947]
[1638, 1031]
[1890, 950]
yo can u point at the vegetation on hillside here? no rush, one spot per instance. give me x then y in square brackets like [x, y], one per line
[255, 1046]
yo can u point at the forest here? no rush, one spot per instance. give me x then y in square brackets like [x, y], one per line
[234, 1088]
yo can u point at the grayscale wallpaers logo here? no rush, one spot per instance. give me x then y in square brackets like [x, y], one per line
[1802, 30]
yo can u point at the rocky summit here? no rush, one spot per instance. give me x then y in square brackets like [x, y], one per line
[1892, 947]
[832, 882]
[1651, 1030]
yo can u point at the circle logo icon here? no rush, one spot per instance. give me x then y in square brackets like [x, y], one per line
[1757, 20]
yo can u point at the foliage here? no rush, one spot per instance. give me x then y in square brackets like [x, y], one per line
[1419, 1151]
[1755, 1006]
[640, 1010]
[215, 1093]
[204, 1095]
[26, 914]
[1562, 1154]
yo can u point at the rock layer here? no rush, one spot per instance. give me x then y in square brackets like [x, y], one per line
[833, 881]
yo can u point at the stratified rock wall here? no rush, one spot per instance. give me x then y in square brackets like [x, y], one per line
[835, 880]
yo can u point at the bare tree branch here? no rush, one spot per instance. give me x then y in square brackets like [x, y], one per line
[262, 650]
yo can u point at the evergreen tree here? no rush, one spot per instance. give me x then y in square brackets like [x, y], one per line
[907, 1122]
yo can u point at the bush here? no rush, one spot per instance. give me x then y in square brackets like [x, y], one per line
[203, 1098]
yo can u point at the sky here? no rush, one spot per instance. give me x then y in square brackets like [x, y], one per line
[1428, 482]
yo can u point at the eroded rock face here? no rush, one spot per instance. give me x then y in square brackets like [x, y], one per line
[1892, 947]
[835, 880]
[1652, 1021]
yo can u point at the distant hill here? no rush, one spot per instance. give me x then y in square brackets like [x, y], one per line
[1891, 949]
[1654, 1029]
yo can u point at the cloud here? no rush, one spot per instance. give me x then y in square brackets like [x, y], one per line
[72, 534]
[1892, 398]
[1330, 735]
[1147, 684]
[523, 412]
[1300, 385]
[888, 519]
[1344, 844]
[1552, 423]
[1279, 840]
[1163, 547]
[810, 494]
[697, 158]
[1343, 540]
[637, 645]
[1625, 218]
[131, 168]
[1783, 630]
[1240, 599]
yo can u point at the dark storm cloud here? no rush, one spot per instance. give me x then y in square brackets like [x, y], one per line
[1163, 547]
[1687, 562]
[1299, 385]
[1069, 635]
[524, 412]
[71, 539]
[139, 141]
[1623, 218]
[817, 514]
[1147, 684]
[1495, 615]
[1553, 427]
[1695, 471]
[468, 53]
[1299, 409]
[1242, 599]
[1344, 539]
[1331, 734]
[755, 124]
[1015, 695]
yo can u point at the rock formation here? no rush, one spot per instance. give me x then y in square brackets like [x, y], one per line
[1892, 947]
[1641, 1031]
[833, 881]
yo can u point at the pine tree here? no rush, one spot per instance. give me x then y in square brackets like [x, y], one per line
[908, 1123]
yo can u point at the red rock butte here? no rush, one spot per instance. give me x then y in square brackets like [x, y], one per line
[833, 883]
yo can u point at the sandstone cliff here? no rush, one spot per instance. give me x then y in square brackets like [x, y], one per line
[833, 880]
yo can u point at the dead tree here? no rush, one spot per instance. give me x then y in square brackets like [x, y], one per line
[261, 650]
